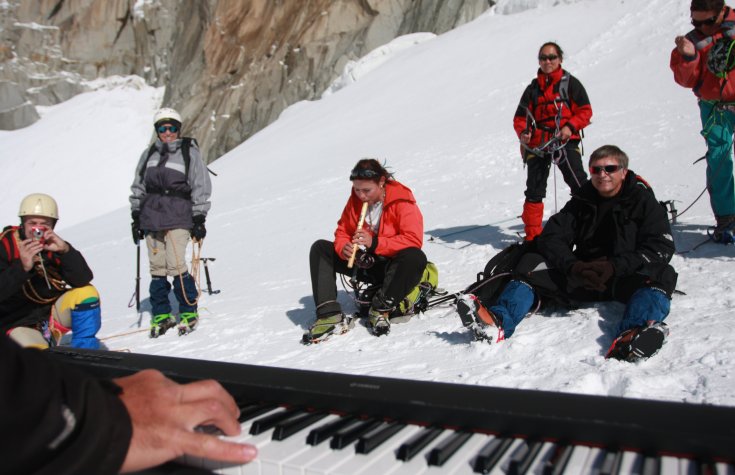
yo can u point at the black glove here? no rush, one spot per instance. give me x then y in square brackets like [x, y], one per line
[591, 275]
[198, 231]
[135, 227]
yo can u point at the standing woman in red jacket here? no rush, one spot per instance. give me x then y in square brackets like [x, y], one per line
[387, 247]
[552, 112]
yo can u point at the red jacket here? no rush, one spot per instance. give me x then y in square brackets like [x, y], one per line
[539, 98]
[692, 72]
[401, 224]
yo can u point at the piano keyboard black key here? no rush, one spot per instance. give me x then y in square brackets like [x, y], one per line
[287, 428]
[322, 433]
[269, 421]
[251, 411]
[490, 454]
[372, 439]
[522, 459]
[414, 445]
[347, 435]
[441, 453]
[556, 464]
[651, 465]
[611, 463]
[706, 467]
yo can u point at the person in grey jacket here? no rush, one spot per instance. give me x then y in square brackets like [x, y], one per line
[169, 202]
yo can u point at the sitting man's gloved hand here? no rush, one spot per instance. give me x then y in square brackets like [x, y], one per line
[138, 233]
[591, 275]
[198, 231]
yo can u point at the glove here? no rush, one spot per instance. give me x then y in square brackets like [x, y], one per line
[198, 231]
[591, 275]
[601, 273]
[135, 227]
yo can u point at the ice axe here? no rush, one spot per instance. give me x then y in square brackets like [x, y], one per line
[206, 274]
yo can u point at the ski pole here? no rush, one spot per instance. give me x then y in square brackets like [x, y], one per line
[137, 278]
[206, 274]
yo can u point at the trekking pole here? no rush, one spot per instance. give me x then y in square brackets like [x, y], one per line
[206, 274]
[136, 292]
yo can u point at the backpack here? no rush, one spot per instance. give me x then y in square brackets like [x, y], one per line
[497, 273]
[417, 299]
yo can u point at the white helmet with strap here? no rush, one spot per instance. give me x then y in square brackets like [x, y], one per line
[39, 204]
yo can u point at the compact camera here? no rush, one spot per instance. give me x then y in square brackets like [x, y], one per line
[37, 233]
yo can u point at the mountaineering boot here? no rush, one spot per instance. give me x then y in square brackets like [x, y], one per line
[639, 342]
[532, 217]
[483, 324]
[378, 322]
[381, 308]
[161, 323]
[188, 322]
[724, 229]
[326, 326]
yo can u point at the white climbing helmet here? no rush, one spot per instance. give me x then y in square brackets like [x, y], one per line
[39, 204]
[166, 114]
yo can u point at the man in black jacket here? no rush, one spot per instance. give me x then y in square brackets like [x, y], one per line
[57, 420]
[45, 288]
[611, 241]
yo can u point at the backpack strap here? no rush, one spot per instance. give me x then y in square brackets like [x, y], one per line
[10, 237]
[564, 88]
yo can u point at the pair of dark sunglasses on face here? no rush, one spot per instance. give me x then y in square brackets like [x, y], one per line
[608, 169]
[171, 128]
[706, 22]
[548, 57]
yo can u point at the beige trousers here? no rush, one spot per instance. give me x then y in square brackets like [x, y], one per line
[167, 252]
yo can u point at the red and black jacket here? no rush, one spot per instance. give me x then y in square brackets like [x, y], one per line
[545, 101]
[25, 297]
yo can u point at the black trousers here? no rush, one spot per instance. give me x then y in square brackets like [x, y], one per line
[395, 276]
[570, 165]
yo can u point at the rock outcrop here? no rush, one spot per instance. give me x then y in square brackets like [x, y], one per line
[229, 66]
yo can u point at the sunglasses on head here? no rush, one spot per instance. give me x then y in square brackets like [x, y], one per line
[708, 21]
[597, 170]
[171, 128]
[548, 57]
[363, 173]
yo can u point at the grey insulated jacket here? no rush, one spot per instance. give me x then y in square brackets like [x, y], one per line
[164, 195]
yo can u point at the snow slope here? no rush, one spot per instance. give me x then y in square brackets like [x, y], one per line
[439, 111]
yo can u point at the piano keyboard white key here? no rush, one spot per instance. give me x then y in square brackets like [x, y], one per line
[279, 452]
[381, 459]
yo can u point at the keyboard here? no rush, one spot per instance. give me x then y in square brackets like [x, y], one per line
[309, 422]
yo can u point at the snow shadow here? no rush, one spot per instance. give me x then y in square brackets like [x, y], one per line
[459, 237]
[692, 242]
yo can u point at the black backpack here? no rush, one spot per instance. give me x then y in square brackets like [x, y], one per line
[498, 272]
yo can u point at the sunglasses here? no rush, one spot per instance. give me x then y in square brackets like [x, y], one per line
[548, 57]
[171, 128]
[708, 21]
[609, 169]
[363, 173]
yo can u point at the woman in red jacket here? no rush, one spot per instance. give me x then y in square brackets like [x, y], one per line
[552, 112]
[387, 247]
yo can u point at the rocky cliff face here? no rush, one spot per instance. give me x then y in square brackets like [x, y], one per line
[229, 66]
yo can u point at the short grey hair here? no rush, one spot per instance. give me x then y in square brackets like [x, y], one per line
[610, 151]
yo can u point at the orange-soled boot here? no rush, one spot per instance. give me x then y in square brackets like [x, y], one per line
[533, 215]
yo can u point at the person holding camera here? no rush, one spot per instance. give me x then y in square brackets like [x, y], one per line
[45, 288]
[169, 202]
